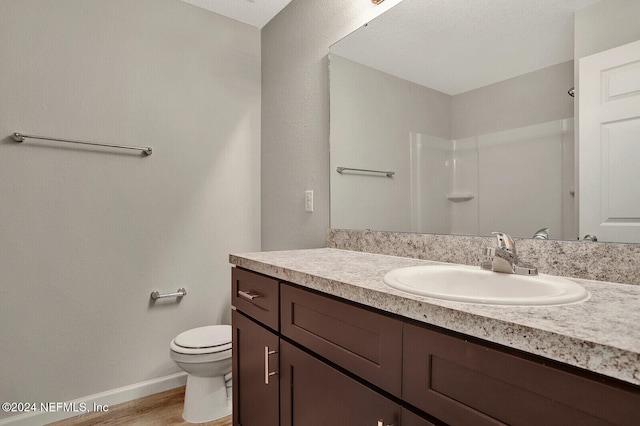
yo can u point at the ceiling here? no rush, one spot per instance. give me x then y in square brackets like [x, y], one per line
[458, 45]
[452, 46]
[253, 12]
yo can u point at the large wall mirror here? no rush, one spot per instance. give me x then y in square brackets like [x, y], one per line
[458, 117]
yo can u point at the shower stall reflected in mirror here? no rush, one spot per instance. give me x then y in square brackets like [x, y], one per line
[470, 186]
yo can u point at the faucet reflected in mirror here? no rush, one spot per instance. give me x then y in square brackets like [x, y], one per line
[541, 234]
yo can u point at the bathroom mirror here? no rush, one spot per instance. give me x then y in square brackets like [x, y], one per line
[456, 117]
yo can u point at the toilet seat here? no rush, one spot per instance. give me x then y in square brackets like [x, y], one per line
[203, 340]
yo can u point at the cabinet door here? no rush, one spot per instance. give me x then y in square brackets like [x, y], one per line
[314, 394]
[255, 392]
[466, 383]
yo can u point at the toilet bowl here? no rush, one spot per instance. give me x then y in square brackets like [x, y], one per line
[205, 354]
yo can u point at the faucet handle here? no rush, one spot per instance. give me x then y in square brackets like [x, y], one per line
[505, 242]
[541, 234]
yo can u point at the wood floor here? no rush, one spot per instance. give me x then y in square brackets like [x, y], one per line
[160, 409]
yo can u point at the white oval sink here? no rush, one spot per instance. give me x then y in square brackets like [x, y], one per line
[474, 285]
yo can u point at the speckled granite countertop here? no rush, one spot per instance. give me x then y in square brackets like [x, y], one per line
[601, 334]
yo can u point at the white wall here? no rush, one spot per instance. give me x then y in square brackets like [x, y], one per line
[295, 116]
[87, 234]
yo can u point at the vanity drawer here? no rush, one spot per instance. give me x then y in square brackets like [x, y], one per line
[462, 383]
[363, 342]
[256, 296]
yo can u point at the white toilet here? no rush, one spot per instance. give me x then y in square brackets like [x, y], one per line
[205, 354]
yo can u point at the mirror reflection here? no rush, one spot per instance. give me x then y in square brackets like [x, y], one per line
[471, 106]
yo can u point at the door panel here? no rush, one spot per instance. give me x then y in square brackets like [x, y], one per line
[466, 383]
[255, 403]
[314, 394]
[609, 144]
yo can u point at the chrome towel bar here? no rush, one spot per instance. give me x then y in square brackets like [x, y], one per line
[344, 169]
[155, 295]
[20, 137]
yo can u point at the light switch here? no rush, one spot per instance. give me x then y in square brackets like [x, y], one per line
[308, 201]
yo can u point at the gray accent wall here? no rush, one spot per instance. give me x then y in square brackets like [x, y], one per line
[536, 97]
[605, 25]
[295, 116]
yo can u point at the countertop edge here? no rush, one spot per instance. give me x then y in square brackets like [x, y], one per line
[599, 358]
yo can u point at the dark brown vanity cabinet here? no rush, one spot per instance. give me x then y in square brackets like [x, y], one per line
[315, 394]
[412, 419]
[256, 395]
[255, 346]
[257, 296]
[326, 361]
[471, 383]
[365, 343]
[276, 382]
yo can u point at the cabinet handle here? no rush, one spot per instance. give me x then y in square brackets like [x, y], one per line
[268, 374]
[247, 295]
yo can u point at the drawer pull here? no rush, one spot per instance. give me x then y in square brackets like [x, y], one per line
[247, 295]
[268, 374]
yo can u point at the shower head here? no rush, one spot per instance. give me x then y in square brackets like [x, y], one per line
[572, 92]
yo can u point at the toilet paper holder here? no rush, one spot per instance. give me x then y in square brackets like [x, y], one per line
[155, 295]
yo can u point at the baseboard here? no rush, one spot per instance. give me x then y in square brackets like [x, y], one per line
[93, 402]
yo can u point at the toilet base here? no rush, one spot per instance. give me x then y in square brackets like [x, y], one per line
[205, 399]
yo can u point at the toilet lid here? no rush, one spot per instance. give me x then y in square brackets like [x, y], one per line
[204, 337]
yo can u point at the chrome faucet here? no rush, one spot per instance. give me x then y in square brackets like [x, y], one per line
[504, 258]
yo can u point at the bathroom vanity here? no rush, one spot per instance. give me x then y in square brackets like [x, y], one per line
[319, 339]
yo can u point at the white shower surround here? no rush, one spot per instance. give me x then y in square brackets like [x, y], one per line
[475, 186]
